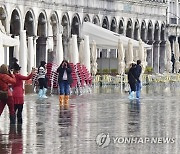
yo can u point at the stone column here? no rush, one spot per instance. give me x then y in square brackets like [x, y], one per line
[150, 55]
[156, 46]
[41, 50]
[34, 44]
[30, 54]
[162, 57]
[23, 52]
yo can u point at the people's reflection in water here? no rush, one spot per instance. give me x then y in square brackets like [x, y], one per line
[134, 117]
[13, 143]
[65, 122]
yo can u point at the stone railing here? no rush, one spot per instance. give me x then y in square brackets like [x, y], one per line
[146, 79]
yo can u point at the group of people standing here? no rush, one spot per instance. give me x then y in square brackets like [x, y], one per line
[11, 81]
[134, 80]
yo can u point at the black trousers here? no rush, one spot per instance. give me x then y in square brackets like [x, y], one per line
[42, 83]
[18, 108]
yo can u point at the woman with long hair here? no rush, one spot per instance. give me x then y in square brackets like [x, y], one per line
[64, 81]
[6, 78]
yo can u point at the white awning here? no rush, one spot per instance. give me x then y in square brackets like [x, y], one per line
[105, 38]
[8, 41]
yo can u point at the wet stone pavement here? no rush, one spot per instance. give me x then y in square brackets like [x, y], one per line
[103, 122]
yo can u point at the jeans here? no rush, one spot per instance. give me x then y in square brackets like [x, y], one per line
[138, 89]
[64, 87]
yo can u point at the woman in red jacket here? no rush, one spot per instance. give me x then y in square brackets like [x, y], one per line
[5, 79]
[18, 92]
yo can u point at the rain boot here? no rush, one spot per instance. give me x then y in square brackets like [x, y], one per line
[12, 119]
[40, 93]
[131, 95]
[44, 93]
[61, 101]
[66, 102]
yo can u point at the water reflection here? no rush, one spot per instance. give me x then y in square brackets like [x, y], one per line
[47, 129]
[134, 117]
[12, 142]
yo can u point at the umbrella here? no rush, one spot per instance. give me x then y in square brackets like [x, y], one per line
[59, 49]
[94, 58]
[168, 57]
[86, 55]
[141, 51]
[121, 63]
[176, 54]
[74, 51]
[129, 53]
[70, 50]
[81, 52]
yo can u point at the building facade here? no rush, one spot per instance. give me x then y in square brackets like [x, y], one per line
[41, 21]
[173, 22]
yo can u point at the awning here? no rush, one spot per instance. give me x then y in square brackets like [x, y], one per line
[105, 38]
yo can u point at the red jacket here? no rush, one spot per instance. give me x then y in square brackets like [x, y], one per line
[18, 91]
[5, 80]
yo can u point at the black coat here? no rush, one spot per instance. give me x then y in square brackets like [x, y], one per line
[61, 70]
[132, 78]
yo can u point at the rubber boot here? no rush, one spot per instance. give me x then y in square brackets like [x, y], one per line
[12, 119]
[131, 95]
[44, 93]
[61, 101]
[40, 93]
[66, 102]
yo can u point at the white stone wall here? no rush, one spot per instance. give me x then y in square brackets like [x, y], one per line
[127, 11]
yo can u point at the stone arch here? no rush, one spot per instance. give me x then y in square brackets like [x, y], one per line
[156, 31]
[150, 32]
[143, 30]
[96, 20]
[75, 26]
[42, 38]
[136, 30]
[86, 18]
[105, 23]
[3, 16]
[121, 27]
[113, 25]
[129, 28]
[65, 22]
[42, 25]
[163, 34]
[29, 23]
[54, 31]
[15, 24]
[162, 49]
[15, 27]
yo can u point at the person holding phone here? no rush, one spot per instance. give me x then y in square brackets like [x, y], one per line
[7, 78]
[64, 81]
[18, 91]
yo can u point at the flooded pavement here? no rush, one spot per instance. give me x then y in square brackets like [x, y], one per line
[103, 122]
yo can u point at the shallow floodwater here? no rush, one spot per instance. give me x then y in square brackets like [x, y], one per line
[104, 122]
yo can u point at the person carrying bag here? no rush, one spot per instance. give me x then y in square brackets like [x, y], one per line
[7, 78]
